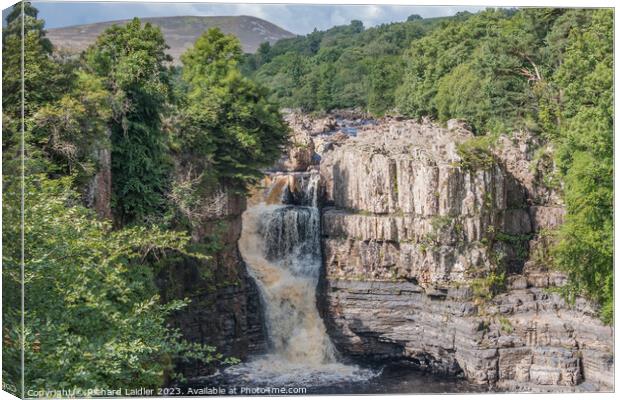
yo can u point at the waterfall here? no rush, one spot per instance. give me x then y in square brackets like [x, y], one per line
[280, 244]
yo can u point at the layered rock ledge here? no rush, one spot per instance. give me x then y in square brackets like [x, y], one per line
[447, 266]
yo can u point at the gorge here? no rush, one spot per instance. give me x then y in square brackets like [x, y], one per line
[317, 215]
[416, 258]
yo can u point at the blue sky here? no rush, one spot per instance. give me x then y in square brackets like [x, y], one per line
[300, 19]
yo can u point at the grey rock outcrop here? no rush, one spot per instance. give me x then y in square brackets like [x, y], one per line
[300, 153]
[525, 339]
[447, 266]
[404, 208]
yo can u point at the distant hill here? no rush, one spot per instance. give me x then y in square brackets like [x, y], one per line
[180, 32]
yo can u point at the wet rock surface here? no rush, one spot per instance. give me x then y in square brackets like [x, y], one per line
[225, 310]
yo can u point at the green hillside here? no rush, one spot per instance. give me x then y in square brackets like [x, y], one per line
[548, 71]
[180, 32]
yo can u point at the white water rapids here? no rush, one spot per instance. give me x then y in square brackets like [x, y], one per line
[281, 247]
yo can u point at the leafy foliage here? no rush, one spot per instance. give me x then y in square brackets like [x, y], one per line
[72, 129]
[92, 316]
[41, 70]
[228, 128]
[486, 287]
[131, 61]
[44, 80]
[345, 66]
[477, 153]
[486, 69]
[585, 156]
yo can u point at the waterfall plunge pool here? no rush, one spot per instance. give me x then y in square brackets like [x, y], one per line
[392, 378]
[280, 244]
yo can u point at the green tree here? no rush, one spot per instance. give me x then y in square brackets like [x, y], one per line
[93, 315]
[45, 78]
[72, 129]
[262, 54]
[357, 26]
[585, 158]
[464, 94]
[326, 91]
[132, 61]
[332, 69]
[229, 129]
[305, 94]
[434, 56]
[491, 69]
[93, 318]
[384, 78]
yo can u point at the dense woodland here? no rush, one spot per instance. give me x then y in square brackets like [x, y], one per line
[178, 133]
[93, 315]
[549, 71]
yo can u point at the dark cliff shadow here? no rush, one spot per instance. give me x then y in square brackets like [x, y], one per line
[225, 309]
[356, 342]
[517, 223]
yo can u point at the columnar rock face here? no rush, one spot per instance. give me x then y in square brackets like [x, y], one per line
[404, 208]
[447, 266]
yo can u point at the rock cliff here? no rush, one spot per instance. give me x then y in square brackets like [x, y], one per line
[224, 309]
[428, 258]
[445, 265]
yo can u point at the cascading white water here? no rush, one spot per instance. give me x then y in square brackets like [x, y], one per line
[281, 247]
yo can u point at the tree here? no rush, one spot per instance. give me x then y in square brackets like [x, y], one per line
[585, 157]
[357, 26]
[132, 62]
[332, 69]
[93, 318]
[45, 79]
[72, 129]
[229, 129]
[435, 55]
[384, 77]
[262, 54]
[326, 91]
[464, 93]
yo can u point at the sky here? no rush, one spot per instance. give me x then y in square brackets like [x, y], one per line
[296, 18]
